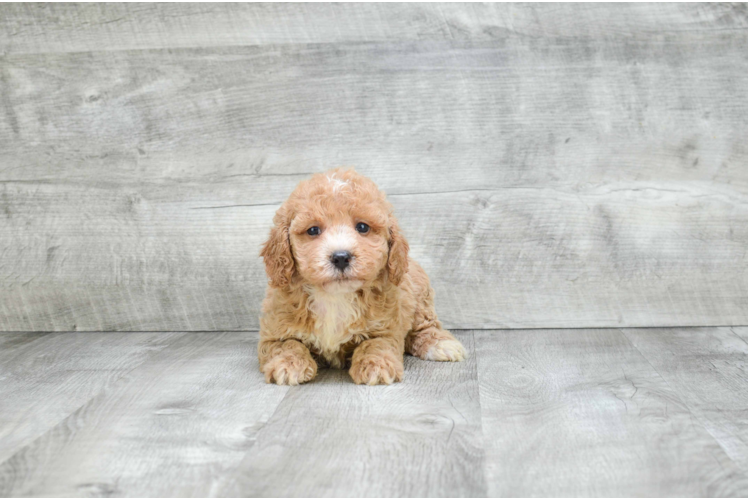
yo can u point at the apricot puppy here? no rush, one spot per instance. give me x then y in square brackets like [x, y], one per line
[342, 289]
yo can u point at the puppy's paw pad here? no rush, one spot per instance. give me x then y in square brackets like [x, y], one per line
[446, 350]
[289, 369]
[375, 370]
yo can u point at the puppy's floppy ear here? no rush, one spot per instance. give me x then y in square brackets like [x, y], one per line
[279, 262]
[397, 261]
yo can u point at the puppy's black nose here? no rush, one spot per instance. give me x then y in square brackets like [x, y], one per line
[341, 259]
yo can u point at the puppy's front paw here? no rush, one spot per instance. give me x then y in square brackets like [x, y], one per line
[376, 369]
[289, 368]
[446, 350]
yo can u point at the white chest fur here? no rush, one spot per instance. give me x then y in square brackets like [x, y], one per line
[334, 314]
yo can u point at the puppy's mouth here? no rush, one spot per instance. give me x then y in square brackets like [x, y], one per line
[342, 284]
[342, 279]
[342, 276]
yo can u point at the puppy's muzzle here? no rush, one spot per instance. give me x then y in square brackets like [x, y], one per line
[341, 259]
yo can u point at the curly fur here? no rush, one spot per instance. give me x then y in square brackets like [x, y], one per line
[366, 316]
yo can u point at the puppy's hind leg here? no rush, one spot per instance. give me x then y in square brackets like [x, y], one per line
[428, 340]
[434, 344]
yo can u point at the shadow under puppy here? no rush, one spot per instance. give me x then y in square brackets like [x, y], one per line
[342, 289]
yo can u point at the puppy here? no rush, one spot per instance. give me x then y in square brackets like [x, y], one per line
[342, 289]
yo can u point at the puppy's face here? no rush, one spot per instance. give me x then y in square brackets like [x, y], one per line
[339, 235]
[339, 244]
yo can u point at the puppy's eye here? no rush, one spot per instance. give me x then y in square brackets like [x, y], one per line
[362, 228]
[313, 231]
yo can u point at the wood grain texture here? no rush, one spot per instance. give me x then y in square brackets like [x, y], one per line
[46, 377]
[531, 413]
[418, 438]
[708, 367]
[172, 427]
[741, 331]
[582, 413]
[12, 341]
[552, 166]
[29, 28]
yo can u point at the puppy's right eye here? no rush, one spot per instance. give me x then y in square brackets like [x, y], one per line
[313, 231]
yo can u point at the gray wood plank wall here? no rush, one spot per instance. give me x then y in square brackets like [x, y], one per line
[568, 165]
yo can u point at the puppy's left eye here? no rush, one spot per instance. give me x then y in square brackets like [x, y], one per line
[362, 228]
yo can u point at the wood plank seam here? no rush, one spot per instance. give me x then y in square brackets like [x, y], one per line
[461, 330]
[694, 415]
[735, 333]
[113, 383]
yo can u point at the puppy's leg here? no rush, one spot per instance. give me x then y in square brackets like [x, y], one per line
[434, 344]
[428, 340]
[286, 362]
[377, 361]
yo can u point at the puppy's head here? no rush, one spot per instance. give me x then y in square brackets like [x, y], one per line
[336, 231]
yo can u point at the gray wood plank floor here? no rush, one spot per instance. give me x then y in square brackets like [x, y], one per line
[634, 412]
